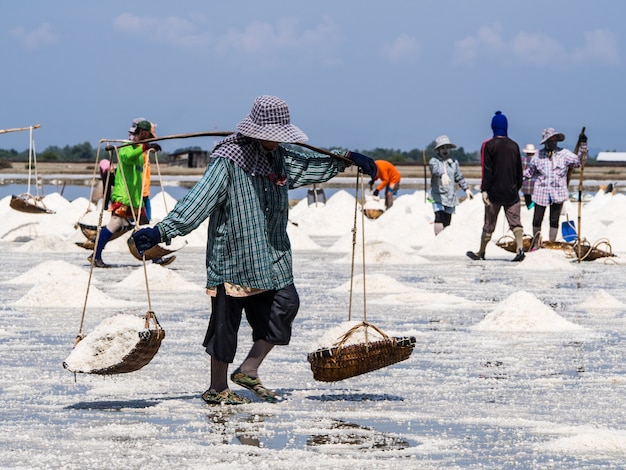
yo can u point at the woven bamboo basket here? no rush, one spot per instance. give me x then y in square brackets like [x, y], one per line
[90, 231]
[508, 243]
[148, 344]
[373, 213]
[155, 252]
[344, 361]
[28, 203]
[591, 253]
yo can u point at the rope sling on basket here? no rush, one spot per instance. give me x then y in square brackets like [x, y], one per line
[119, 344]
[345, 359]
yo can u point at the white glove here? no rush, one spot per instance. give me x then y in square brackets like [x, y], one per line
[468, 191]
[486, 198]
[445, 179]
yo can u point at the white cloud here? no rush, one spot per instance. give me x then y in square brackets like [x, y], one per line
[265, 39]
[537, 49]
[37, 38]
[404, 48]
[260, 41]
[180, 32]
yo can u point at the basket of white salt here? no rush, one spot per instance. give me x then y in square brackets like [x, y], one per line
[119, 344]
[361, 349]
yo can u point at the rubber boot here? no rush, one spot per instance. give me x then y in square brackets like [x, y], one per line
[103, 239]
[480, 255]
[518, 232]
[536, 243]
[438, 228]
[553, 232]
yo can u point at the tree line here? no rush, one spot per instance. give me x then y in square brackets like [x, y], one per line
[87, 153]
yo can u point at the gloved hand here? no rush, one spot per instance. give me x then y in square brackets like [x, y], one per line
[486, 198]
[376, 192]
[153, 146]
[582, 138]
[445, 179]
[469, 193]
[371, 185]
[146, 238]
[367, 164]
[109, 148]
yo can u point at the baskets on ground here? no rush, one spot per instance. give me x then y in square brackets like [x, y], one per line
[28, 203]
[344, 361]
[146, 347]
[508, 243]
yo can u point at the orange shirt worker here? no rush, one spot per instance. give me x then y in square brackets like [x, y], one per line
[389, 177]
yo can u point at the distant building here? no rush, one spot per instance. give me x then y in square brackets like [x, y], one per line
[194, 158]
[611, 157]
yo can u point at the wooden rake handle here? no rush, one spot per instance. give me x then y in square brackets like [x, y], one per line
[17, 129]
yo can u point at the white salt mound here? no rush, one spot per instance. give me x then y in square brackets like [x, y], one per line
[63, 294]
[374, 283]
[522, 311]
[53, 270]
[424, 299]
[159, 278]
[601, 299]
[107, 345]
[336, 334]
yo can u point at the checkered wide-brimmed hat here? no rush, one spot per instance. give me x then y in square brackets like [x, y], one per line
[269, 120]
[549, 132]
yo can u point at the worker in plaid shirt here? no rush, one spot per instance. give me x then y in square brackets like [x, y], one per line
[244, 193]
[549, 169]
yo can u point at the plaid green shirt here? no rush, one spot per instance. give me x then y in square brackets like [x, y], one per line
[247, 236]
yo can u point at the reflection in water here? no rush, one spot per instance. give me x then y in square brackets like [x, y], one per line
[343, 433]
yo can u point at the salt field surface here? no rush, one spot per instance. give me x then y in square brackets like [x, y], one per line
[516, 365]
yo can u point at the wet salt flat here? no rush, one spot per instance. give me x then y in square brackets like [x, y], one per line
[516, 365]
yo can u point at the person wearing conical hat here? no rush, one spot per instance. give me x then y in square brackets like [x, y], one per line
[244, 194]
[549, 169]
[500, 185]
[445, 174]
[527, 185]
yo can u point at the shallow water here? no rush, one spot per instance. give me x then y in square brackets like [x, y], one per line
[464, 399]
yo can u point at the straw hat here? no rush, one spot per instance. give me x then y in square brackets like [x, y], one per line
[550, 132]
[530, 149]
[269, 120]
[443, 141]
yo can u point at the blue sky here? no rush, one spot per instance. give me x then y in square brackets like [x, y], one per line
[360, 75]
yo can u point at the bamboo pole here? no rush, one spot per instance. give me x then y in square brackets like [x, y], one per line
[583, 157]
[17, 129]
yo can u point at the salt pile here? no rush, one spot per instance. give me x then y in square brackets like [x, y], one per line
[159, 278]
[48, 244]
[379, 252]
[336, 334]
[523, 312]
[374, 283]
[594, 441]
[424, 299]
[64, 294]
[601, 299]
[107, 345]
[50, 271]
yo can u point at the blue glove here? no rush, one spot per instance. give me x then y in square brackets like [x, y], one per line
[365, 163]
[153, 146]
[146, 238]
